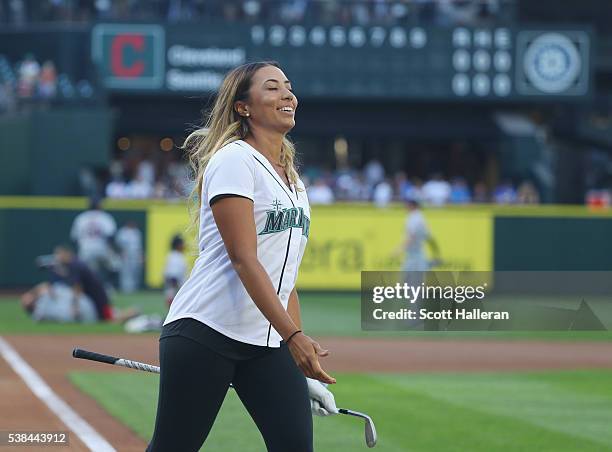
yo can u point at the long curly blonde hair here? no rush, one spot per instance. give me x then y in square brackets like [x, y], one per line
[224, 125]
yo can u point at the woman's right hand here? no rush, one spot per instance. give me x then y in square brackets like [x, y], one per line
[306, 352]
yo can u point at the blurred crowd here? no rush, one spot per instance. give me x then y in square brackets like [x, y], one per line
[145, 178]
[372, 184]
[364, 12]
[138, 177]
[30, 81]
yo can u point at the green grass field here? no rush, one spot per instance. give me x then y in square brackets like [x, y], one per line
[324, 314]
[535, 411]
[544, 411]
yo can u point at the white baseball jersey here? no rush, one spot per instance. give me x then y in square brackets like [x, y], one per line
[213, 293]
[129, 241]
[417, 232]
[176, 266]
[91, 230]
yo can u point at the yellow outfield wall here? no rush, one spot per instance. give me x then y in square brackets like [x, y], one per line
[346, 239]
[163, 223]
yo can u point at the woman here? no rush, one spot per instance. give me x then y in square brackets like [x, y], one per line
[237, 318]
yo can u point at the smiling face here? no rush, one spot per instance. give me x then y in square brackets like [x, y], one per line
[271, 104]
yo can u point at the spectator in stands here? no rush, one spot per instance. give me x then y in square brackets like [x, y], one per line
[293, 11]
[436, 191]
[383, 194]
[460, 12]
[400, 183]
[116, 168]
[29, 71]
[399, 11]
[527, 194]
[47, 84]
[381, 11]
[347, 185]
[179, 180]
[460, 192]
[481, 194]
[140, 188]
[117, 188]
[598, 198]
[146, 171]
[161, 190]
[320, 193]
[251, 10]
[360, 13]
[504, 193]
[374, 173]
[412, 189]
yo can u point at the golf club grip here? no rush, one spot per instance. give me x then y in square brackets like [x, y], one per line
[343, 411]
[93, 356]
[137, 365]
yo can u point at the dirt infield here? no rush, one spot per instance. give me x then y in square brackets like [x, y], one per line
[51, 357]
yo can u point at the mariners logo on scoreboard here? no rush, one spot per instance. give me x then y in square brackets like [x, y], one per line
[279, 219]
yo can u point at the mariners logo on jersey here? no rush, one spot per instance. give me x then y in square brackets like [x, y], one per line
[279, 219]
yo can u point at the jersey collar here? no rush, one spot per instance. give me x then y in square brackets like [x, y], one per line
[291, 191]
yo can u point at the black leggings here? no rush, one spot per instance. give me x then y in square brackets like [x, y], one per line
[193, 383]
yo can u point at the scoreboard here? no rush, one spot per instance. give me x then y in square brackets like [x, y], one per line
[356, 62]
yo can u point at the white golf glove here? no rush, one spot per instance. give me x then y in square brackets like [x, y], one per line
[322, 402]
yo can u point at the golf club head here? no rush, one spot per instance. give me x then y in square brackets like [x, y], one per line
[370, 429]
[370, 432]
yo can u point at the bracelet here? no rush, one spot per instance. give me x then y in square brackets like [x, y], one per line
[291, 337]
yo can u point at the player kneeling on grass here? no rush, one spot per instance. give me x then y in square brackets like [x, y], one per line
[58, 303]
[71, 292]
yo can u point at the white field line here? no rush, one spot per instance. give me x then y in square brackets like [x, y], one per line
[79, 426]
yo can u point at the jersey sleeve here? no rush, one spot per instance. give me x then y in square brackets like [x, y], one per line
[75, 230]
[231, 171]
[110, 226]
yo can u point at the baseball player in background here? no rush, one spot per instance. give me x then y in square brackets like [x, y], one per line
[236, 319]
[175, 270]
[73, 294]
[417, 234]
[129, 244]
[93, 231]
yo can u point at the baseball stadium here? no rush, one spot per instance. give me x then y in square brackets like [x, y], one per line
[297, 225]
